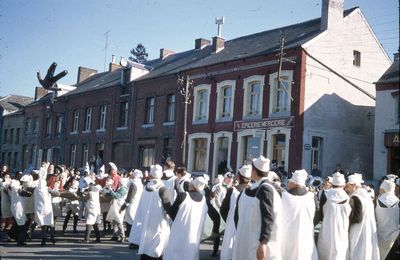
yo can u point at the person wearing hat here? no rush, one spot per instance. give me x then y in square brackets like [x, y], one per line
[113, 172]
[188, 213]
[116, 213]
[169, 178]
[298, 217]
[387, 217]
[72, 206]
[333, 239]
[363, 239]
[258, 215]
[133, 227]
[155, 222]
[92, 211]
[228, 207]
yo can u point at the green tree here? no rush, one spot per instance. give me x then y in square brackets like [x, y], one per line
[139, 54]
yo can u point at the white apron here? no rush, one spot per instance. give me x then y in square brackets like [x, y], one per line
[17, 206]
[5, 201]
[230, 228]
[134, 203]
[249, 227]
[333, 239]
[155, 225]
[113, 213]
[298, 227]
[363, 238]
[92, 213]
[387, 222]
[43, 207]
[170, 185]
[186, 230]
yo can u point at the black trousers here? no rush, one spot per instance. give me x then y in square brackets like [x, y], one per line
[216, 219]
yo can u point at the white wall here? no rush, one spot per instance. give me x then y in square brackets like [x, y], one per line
[334, 109]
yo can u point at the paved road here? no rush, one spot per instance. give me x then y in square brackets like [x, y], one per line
[68, 247]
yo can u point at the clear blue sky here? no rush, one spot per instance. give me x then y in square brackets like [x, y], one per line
[34, 33]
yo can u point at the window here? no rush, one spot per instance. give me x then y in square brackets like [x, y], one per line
[48, 126]
[146, 156]
[59, 123]
[225, 93]
[35, 125]
[28, 126]
[72, 155]
[33, 154]
[316, 151]
[85, 152]
[222, 154]
[199, 155]
[102, 116]
[18, 135]
[150, 110]
[167, 148]
[15, 160]
[5, 136]
[123, 114]
[201, 100]
[88, 118]
[171, 108]
[280, 95]
[253, 93]
[11, 139]
[75, 121]
[356, 58]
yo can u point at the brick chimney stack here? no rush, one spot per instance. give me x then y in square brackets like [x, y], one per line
[40, 92]
[218, 44]
[85, 73]
[331, 14]
[201, 43]
[164, 53]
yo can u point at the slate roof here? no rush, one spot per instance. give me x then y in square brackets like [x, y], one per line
[391, 75]
[14, 102]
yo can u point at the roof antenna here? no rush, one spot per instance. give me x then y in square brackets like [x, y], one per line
[219, 21]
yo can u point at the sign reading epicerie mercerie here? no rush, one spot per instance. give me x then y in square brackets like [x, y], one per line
[264, 123]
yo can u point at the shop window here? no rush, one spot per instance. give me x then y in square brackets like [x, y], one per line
[146, 156]
[199, 155]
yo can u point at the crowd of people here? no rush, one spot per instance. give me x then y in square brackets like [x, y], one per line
[162, 213]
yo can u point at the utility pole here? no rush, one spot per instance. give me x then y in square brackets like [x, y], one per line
[185, 84]
[219, 21]
[281, 58]
[105, 49]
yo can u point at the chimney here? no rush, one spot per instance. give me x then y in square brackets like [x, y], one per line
[218, 44]
[113, 66]
[84, 73]
[40, 92]
[331, 14]
[201, 43]
[164, 53]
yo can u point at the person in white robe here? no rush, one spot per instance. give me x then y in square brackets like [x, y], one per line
[363, 237]
[387, 217]
[116, 213]
[155, 222]
[333, 239]
[182, 180]
[92, 212]
[135, 190]
[18, 205]
[298, 217]
[227, 210]
[72, 206]
[188, 213]
[258, 213]
[169, 178]
[6, 214]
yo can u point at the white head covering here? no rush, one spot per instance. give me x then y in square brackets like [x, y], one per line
[26, 178]
[169, 173]
[87, 168]
[124, 182]
[156, 171]
[391, 177]
[228, 175]
[199, 183]
[245, 170]
[338, 179]
[206, 177]
[137, 173]
[113, 166]
[388, 186]
[261, 163]
[299, 177]
[88, 180]
[219, 178]
[102, 170]
[330, 179]
[356, 179]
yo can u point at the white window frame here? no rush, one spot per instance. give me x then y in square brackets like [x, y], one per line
[102, 117]
[241, 135]
[246, 98]
[88, 119]
[85, 154]
[320, 150]
[190, 152]
[72, 155]
[215, 139]
[270, 134]
[150, 110]
[171, 109]
[59, 122]
[220, 98]
[75, 121]
[48, 126]
[272, 94]
[196, 91]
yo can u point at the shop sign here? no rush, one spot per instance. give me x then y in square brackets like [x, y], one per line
[266, 123]
[392, 139]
